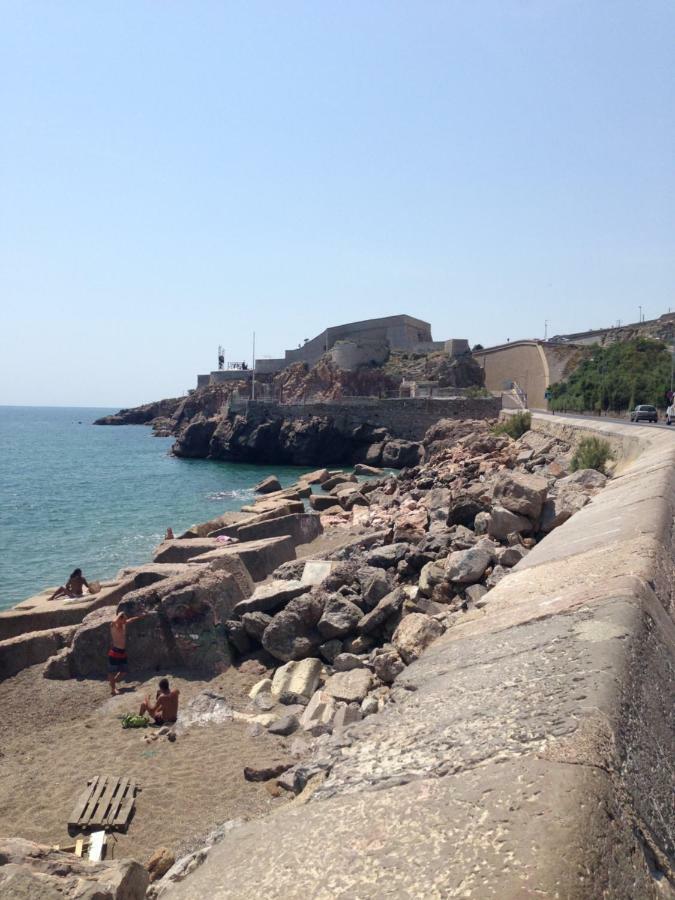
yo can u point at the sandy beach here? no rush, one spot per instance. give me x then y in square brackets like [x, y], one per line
[58, 734]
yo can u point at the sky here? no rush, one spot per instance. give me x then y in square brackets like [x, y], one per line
[175, 176]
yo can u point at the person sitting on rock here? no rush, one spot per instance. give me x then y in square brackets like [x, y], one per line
[73, 587]
[165, 708]
[169, 536]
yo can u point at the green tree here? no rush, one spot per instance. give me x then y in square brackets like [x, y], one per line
[616, 378]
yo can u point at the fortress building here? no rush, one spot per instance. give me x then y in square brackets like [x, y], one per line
[352, 345]
[395, 332]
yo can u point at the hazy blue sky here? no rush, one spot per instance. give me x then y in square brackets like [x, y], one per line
[175, 175]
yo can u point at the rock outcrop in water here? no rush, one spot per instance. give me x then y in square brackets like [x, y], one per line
[147, 414]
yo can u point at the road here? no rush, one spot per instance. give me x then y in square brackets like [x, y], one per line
[625, 421]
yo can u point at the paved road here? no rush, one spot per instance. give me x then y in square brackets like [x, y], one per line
[607, 419]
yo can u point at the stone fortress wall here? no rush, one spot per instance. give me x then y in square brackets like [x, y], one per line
[407, 418]
[352, 344]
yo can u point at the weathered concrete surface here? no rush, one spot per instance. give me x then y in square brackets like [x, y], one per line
[38, 613]
[301, 527]
[25, 650]
[260, 557]
[528, 752]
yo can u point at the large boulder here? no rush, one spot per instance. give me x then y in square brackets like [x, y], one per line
[399, 454]
[467, 566]
[255, 624]
[414, 634]
[388, 664]
[339, 618]
[560, 508]
[438, 502]
[36, 872]
[503, 522]
[374, 584]
[350, 687]
[385, 609]
[432, 574]
[293, 633]
[520, 493]
[584, 480]
[387, 556]
[178, 628]
[268, 485]
[271, 596]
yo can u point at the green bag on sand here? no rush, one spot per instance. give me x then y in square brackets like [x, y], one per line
[131, 720]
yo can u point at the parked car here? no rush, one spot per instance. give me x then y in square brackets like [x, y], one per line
[644, 413]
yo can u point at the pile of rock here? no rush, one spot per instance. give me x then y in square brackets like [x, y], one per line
[453, 528]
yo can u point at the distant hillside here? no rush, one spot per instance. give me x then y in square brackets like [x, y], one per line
[616, 377]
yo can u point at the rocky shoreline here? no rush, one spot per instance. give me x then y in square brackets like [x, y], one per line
[334, 602]
[214, 422]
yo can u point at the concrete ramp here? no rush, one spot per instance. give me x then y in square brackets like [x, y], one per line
[528, 753]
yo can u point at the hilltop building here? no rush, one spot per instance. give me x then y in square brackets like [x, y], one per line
[350, 346]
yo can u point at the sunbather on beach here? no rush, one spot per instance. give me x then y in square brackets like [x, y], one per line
[73, 587]
[165, 708]
[118, 664]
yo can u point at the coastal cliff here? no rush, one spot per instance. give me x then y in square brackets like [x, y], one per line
[315, 417]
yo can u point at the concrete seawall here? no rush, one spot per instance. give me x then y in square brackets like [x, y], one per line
[529, 752]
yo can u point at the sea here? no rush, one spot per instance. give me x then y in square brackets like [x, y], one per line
[78, 495]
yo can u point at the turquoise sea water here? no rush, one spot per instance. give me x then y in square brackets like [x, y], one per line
[98, 497]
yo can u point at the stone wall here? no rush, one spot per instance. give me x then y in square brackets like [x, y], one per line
[407, 418]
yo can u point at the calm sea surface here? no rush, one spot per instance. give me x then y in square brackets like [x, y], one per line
[76, 494]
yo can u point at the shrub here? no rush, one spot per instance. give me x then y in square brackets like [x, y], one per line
[515, 426]
[477, 393]
[591, 453]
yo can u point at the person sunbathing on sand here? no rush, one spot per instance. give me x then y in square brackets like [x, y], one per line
[165, 708]
[73, 587]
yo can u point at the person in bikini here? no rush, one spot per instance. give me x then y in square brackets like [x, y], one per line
[118, 664]
[165, 708]
[74, 587]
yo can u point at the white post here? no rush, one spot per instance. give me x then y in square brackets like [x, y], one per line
[253, 374]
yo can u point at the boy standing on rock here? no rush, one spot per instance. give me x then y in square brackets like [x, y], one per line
[117, 655]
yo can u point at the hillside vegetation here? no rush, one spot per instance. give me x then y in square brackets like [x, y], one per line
[616, 378]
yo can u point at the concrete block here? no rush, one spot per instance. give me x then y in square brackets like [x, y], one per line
[301, 527]
[26, 650]
[261, 558]
[315, 571]
[182, 550]
[318, 715]
[297, 677]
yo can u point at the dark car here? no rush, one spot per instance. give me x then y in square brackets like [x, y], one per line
[644, 414]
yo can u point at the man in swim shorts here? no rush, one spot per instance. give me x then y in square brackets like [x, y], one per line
[118, 664]
[165, 708]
